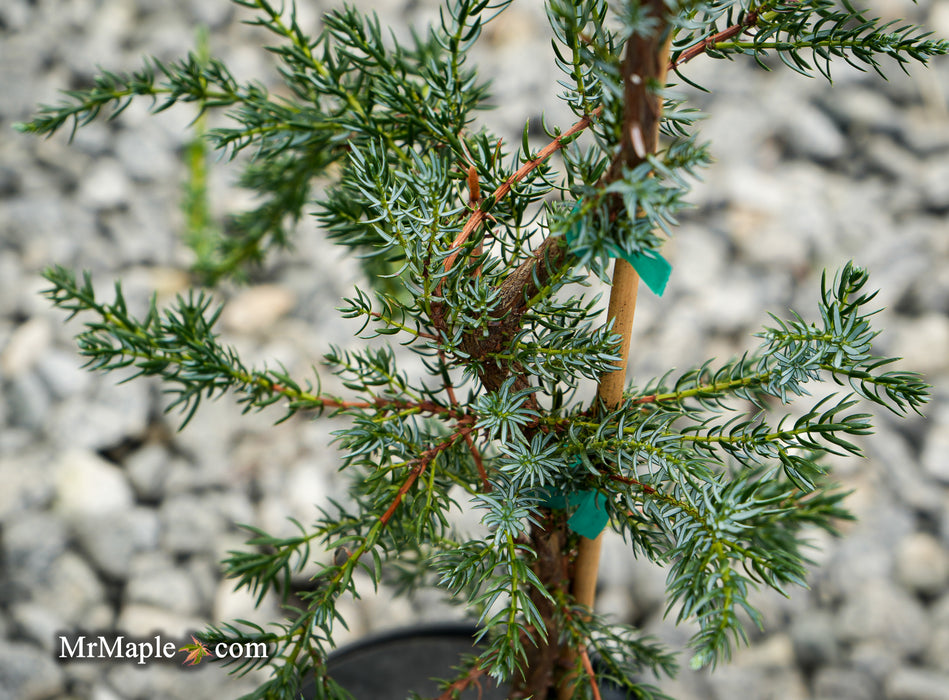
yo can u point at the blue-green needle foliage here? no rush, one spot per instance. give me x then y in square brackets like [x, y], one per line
[713, 473]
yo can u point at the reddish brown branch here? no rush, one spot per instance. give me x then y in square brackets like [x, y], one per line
[588, 667]
[472, 678]
[479, 215]
[629, 481]
[700, 47]
[421, 465]
[384, 404]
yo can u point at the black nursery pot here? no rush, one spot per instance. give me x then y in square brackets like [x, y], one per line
[392, 665]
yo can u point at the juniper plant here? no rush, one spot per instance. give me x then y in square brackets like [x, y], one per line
[470, 249]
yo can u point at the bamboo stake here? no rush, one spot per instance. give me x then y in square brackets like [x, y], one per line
[646, 60]
[622, 310]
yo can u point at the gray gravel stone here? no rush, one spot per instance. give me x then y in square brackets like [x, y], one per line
[27, 673]
[111, 540]
[153, 579]
[880, 610]
[843, 684]
[104, 419]
[28, 402]
[814, 641]
[188, 526]
[27, 483]
[909, 683]
[62, 374]
[70, 589]
[32, 543]
[809, 132]
[922, 564]
[148, 469]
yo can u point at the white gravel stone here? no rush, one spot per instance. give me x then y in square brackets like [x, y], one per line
[38, 623]
[256, 309]
[27, 344]
[382, 609]
[936, 185]
[875, 659]
[146, 153]
[231, 604]
[935, 457]
[86, 484]
[33, 542]
[809, 131]
[937, 656]
[843, 684]
[813, 640]
[901, 471]
[106, 185]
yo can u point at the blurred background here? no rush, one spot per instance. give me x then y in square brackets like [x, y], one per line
[111, 518]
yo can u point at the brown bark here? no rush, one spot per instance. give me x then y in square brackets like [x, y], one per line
[516, 290]
[548, 540]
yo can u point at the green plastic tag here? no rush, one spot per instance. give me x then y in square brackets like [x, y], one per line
[591, 516]
[652, 268]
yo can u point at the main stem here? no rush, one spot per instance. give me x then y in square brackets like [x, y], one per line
[644, 69]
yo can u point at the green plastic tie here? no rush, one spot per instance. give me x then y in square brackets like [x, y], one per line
[652, 268]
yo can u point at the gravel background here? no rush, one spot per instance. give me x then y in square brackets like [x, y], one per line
[111, 518]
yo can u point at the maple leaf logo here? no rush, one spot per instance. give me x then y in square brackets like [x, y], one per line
[196, 652]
